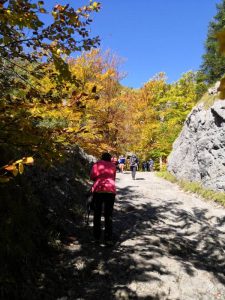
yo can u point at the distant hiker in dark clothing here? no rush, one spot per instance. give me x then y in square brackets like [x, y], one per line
[151, 164]
[103, 174]
[144, 166]
[133, 165]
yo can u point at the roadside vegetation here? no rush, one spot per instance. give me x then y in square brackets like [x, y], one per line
[194, 187]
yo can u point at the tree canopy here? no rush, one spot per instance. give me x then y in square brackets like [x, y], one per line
[25, 35]
[213, 64]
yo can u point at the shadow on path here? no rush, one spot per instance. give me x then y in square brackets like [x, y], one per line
[87, 271]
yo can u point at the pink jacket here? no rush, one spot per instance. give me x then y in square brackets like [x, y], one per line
[103, 174]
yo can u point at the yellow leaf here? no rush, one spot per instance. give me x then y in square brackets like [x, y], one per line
[54, 14]
[15, 171]
[18, 161]
[21, 168]
[42, 10]
[96, 5]
[28, 160]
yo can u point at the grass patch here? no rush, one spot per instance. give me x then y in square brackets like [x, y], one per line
[208, 100]
[168, 176]
[194, 187]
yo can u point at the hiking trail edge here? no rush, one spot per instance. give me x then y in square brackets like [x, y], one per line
[169, 245]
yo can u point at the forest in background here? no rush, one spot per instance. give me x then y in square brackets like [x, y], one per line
[51, 102]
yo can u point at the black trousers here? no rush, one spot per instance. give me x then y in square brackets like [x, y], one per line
[133, 171]
[108, 200]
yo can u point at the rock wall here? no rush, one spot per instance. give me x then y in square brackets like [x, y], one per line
[38, 210]
[199, 152]
[62, 188]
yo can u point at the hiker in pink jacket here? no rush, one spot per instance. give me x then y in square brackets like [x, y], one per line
[103, 174]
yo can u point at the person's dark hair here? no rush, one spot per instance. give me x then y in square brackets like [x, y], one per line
[106, 156]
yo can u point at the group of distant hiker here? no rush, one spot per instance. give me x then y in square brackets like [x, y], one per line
[130, 162]
[119, 163]
[148, 165]
[103, 174]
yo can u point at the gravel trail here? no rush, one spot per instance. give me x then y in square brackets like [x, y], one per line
[169, 245]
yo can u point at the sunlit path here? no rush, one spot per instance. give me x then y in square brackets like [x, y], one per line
[175, 240]
[169, 245]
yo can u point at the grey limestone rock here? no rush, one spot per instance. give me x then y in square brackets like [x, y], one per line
[199, 152]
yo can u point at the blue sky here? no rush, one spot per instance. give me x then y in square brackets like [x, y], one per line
[153, 35]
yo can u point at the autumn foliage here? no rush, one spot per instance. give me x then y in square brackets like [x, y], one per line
[53, 100]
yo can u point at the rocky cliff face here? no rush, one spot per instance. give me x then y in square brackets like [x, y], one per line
[199, 152]
[62, 188]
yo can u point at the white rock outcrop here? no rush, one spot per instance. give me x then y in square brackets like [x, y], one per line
[215, 89]
[199, 152]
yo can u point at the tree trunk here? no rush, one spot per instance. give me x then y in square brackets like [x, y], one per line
[160, 163]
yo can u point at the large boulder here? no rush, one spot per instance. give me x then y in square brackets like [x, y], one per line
[199, 152]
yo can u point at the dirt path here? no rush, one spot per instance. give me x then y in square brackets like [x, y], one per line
[170, 245]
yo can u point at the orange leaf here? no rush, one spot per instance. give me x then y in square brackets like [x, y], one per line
[10, 168]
